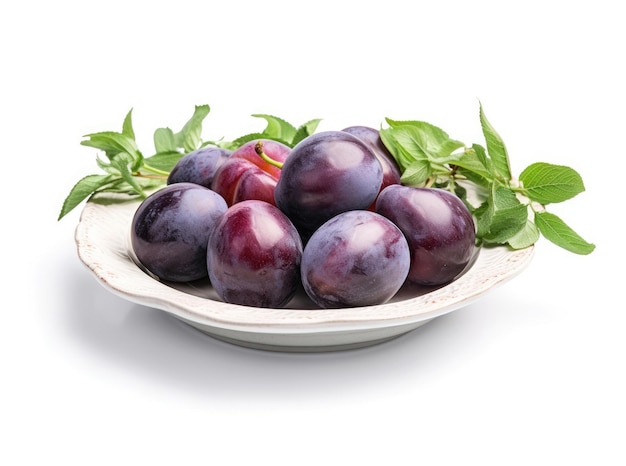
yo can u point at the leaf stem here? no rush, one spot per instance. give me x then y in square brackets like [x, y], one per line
[258, 148]
[430, 181]
[155, 170]
[537, 207]
[151, 177]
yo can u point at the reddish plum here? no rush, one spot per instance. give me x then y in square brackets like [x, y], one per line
[245, 175]
[253, 255]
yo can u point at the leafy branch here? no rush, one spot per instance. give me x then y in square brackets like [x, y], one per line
[128, 171]
[507, 210]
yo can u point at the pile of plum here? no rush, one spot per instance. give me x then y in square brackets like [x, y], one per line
[329, 215]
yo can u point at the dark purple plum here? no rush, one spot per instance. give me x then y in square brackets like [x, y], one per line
[357, 258]
[170, 231]
[371, 137]
[439, 228]
[253, 256]
[198, 166]
[326, 174]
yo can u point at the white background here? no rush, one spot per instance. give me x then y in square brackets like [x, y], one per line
[530, 374]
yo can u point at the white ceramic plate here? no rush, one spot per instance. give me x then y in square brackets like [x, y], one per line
[103, 242]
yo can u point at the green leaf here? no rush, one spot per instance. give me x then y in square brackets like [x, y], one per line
[397, 123]
[277, 128]
[496, 149]
[112, 143]
[474, 165]
[502, 217]
[547, 183]
[190, 137]
[305, 130]
[417, 173]
[556, 231]
[124, 162]
[163, 161]
[419, 137]
[401, 156]
[127, 126]
[187, 139]
[240, 141]
[83, 189]
[164, 140]
[407, 144]
[526, 237]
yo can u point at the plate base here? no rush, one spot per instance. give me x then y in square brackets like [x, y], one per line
[303, 349]
[331, 342]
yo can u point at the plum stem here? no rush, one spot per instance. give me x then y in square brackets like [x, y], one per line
[258, 148]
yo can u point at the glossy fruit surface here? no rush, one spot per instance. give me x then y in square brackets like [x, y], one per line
[439, 228]
[371, 137]
[253, 256]
[198, 166]
[327, 173]
[245, 175]
[357, 258]
[171, 228]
